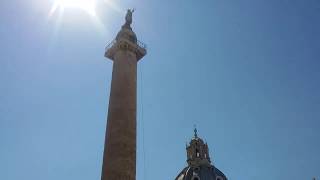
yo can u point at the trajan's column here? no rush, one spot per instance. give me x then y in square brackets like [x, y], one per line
[119, 158]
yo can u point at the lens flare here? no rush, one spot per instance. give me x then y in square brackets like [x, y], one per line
[86, 5]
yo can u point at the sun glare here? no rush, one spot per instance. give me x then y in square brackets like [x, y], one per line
[59, 7]
[86, 5]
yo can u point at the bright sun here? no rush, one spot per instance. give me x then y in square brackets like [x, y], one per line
[85, 5]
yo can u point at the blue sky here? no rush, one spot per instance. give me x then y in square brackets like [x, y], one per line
[245, 72]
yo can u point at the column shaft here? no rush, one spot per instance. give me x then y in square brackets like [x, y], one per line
[119, 159]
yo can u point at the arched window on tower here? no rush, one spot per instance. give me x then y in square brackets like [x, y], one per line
[197, 153]
[195, 178]
[219, 178]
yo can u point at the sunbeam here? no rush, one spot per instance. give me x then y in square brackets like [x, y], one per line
[87, 6]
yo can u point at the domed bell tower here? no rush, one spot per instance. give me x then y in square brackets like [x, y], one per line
[197, 152]
[199, 163]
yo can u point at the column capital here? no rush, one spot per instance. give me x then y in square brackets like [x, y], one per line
[123, 44]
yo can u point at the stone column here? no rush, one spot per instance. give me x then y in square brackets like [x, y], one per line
[119, 159]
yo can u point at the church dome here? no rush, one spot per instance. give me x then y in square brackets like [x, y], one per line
[201, 173]
[199, 163]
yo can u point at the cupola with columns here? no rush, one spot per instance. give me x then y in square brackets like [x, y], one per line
[197, 151]
[199, 163]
